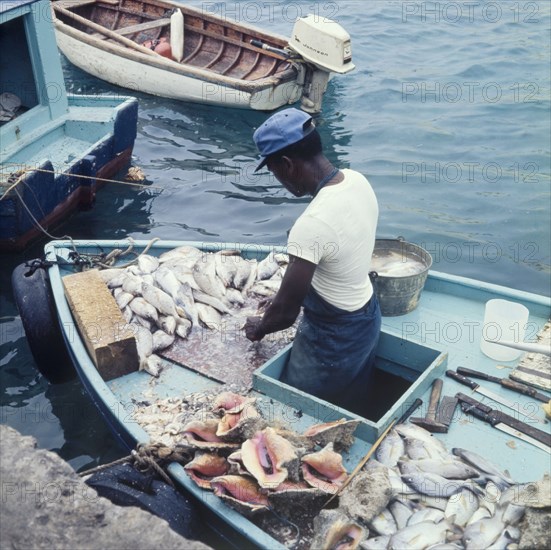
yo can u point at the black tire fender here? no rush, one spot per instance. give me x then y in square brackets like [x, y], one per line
[125, 486]
[33, 298]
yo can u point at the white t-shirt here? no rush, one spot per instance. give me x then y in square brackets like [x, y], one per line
[337, 233]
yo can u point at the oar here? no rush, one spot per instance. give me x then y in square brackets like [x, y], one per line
[417, 403]
[104, 31]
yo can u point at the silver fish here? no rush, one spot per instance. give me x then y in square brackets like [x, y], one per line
[480, 463]
[132, 284]
[426, 514]
[384, 523]
[183, 328]
[450, 469]
[481, 513]
[160, 300]
[204, 273]
[416, 432]
[262, 290]
[185, 276]
[267, 267]
[376, 543]
[144, 309]
[233, 296]
[144, 342]
[438, 503]
[390, 450]
[401, 512]
[152, 365]
[167, 281]
[433, 484]
[161, 340]
[512, 513]
[123, 298]
[147, 263]
[127, 313]
[107, 275]
[419, 450]
[252, 276]
[419, 536]
[203, 298]
[226, 267]
[242, 274]
[281, 258]
[184, 299]
[482, 533]
[461, 507]
[209, 316]
[167, 323]
[185, 252]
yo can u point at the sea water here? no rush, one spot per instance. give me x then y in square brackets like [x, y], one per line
[447, 114]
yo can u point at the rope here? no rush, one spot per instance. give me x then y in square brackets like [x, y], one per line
[21, 174]
[146, 458]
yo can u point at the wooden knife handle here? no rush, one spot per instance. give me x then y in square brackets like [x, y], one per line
[461, 379]
[518, 387]
[478, 374]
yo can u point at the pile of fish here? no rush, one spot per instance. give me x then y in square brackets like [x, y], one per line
[428, 498]
[186, 289]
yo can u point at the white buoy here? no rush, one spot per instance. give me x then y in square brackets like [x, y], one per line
[177, 35]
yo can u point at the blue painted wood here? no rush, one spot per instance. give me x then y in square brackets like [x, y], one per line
[53, 130]
[445, 328]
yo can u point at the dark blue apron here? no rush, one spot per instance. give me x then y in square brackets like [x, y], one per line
[334, 350]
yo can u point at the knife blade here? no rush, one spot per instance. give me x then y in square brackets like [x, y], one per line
[506, 383]
[481, 415]
[499, 417]
[488, 393]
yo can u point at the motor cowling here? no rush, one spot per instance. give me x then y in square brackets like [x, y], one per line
[326, 48]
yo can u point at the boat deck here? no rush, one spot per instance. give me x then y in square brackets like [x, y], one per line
[448, 320]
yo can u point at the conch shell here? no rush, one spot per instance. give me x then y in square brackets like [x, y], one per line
[324, 470]
[270, 458]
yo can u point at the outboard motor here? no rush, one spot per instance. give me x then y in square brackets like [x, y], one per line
[326, 48]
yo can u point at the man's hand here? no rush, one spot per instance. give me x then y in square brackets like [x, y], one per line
[252, 327]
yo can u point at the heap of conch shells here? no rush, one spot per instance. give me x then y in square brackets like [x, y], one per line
[256, 467]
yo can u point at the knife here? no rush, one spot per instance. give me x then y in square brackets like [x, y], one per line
[488, 393]
[506, 383]
[499, 417]
[494, 422]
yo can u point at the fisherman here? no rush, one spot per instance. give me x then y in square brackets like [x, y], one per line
[330, 247]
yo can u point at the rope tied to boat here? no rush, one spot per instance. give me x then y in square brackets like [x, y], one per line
[147, 458]
[17, 177]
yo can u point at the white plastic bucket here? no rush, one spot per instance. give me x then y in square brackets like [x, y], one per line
[503, 320]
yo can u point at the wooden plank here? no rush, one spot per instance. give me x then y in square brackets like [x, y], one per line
[148, 25]
[108, 338]
[69, 4]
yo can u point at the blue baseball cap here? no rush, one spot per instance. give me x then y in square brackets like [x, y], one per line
[281, 130]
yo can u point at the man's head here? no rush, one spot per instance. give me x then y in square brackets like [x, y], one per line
[286, 140]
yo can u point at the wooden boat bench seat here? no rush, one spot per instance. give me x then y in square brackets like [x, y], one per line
[148, 25]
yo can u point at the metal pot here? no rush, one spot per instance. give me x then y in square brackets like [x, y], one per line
[399, 294]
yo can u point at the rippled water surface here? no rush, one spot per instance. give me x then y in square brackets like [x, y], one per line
[447, 114]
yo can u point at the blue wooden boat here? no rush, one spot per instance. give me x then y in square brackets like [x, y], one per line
[53, 145]
[442, 332]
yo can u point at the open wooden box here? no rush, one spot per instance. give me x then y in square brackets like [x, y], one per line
[403, 371]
